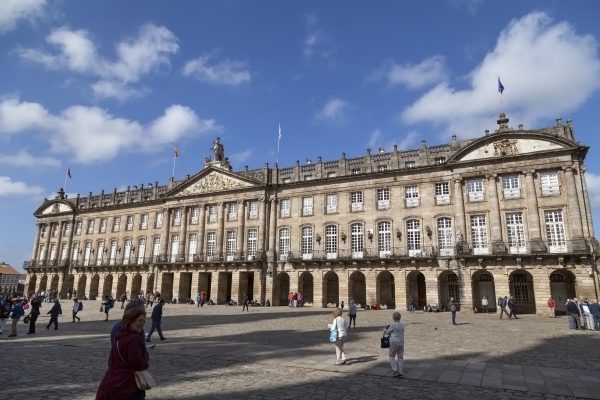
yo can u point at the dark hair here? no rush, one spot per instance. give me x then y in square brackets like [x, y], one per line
[129, 316]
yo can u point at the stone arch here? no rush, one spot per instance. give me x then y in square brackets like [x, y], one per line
[43, 283]
[94, 286]
[386, 290]
[331, 289]
[415, 287]
[81, 286]
[448, 287]
[482, 284]
[136, 285]
[32, 283]
[306, 287]
[107, 288]
[562, 287]
[122, 286]
[54, 282]
[357, 288]
[282, 289]
[520, 283]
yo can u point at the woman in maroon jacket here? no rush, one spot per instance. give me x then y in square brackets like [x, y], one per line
[127, 354]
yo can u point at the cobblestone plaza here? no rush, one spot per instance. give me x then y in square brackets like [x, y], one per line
[282, 353]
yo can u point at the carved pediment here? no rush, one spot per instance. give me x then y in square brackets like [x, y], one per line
[213, 182]
[509, 147]
[56, 208]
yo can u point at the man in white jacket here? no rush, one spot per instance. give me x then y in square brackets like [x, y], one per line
[395, 331]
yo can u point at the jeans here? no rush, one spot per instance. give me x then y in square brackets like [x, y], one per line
[453, 317]
[155, 327]
[32, 318]
[573, 320]
[352, 318]
[503, 311]
[53, 320]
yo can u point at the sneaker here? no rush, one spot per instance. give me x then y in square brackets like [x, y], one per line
[398, 375]
[163, 339]
[343, 362]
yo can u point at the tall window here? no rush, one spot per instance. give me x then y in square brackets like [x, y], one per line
[113, 252]
[129, 226]
[44, 231]
[307, 206]
[252, 243]
[555, 231]
[87, 254]
[444, 234]
[307, 243]
[144, 221]
[192, 247]
[75, 255]
[356, 201]
[67, 230]
[159, 220]
[211, 245]
[42, 252]
[383, 198]
[331, 241]
[515, 233]
[253, 210]
[384, 236]
[232, 211]
[55, 230]
[284, 243]
[53, 252]
[510, 186]
[126, 251]
[475, 189]
[63, 252]
[479, 234]
[100, 253]
[331, 204]
[285, 208]
[549, 181]
[413, 237]
[194, 215]
[357, 240]
[442, 193]
[141, 250]
[230, 246]
[90, 228]
[103, 223]
[176, 217]
[78, 228]
[212, 213]
[411, 195]
[156, 248]
[116, 224]
[174, 248]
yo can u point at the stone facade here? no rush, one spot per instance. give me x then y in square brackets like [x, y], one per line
[504, 214]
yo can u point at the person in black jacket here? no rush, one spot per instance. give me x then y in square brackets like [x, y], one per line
[156, 319]
[573, 314]
[54, 312]
[36, 303]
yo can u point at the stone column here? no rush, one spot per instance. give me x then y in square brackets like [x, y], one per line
[400, 290]
[241, 230]
[220, 245]
[36, 243]
[48, 236]
[144, 281]
[501, 282]
[176, 285]
[158, 280]
[194, 288]
[262, 233]
[214, 286]
[294, 281]
[87, 288]
[541, 290]
[318, 289]
[465, 290]
[459, 205]
[201, 228]
[70, 241]
[115, 284]
[269, 283]
[589, 232]
[371, 287]
[272, 229]
[184, 239]
[235, 287]
[533, 213]
[431, 286]
[166, 230]
[344, 281]
[498, 245]
[101, 293]
[574, 213]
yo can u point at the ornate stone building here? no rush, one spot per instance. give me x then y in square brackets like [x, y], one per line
[505, 214]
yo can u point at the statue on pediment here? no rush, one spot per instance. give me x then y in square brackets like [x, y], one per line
[506, 147]
[219, 152]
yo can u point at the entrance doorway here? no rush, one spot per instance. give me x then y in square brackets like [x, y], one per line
[386, 296]
[357, 288]
[331, 289]
[415, 287]
[562, 287]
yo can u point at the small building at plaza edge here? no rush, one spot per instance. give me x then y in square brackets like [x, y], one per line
[505, 214]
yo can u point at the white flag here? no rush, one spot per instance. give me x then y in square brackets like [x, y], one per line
[279, 138]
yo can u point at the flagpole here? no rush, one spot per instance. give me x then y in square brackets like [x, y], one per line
[173, 172]
[65, 185]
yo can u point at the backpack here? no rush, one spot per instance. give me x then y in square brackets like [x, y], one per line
[500, 302]
[80, 306]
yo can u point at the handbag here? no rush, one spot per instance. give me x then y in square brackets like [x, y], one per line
[333, 334]
[385, 340]
[143, 379]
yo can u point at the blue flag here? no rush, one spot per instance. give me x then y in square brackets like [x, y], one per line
[500, 86]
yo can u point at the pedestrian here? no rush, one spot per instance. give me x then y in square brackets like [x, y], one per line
[586, 314]
[198, 299]
[411, 305]
[156, 320]
[595, 310]
[123, 300]
[151, 300]
[16, 312]
[128, 354]
[484, 304]
[54, 312]
[502, 306]
[36, 303]
[512, 308]
[395, 332]
[245, 303]
[339, 324]
[295, 299]
[453, 308]
[552, 307]
[4, 312]
[77, 306]
[352, 313]
[299, 299]
[573, 314]
[107, 304]
[118, 326]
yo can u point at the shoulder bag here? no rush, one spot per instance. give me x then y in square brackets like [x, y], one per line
[143, 379]
[333, 334]
[385, 340]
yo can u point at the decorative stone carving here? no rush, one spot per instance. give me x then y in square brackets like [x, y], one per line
[213, 183]
[506, 147]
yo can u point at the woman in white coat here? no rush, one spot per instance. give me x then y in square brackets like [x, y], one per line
[341, 325]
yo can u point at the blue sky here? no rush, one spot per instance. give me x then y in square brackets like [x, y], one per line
[109, 88]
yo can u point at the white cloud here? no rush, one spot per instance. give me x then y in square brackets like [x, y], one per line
[374, 138]
[92, 135]
[409, 141]
[317, 42]
[136, 57]
[546, 67]
[241, 157]
[230, 73]
[593, 184]
[11, 11]
[26, 160]
[10, 188]
[428, 72]
[471, 5]
[332, 113]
